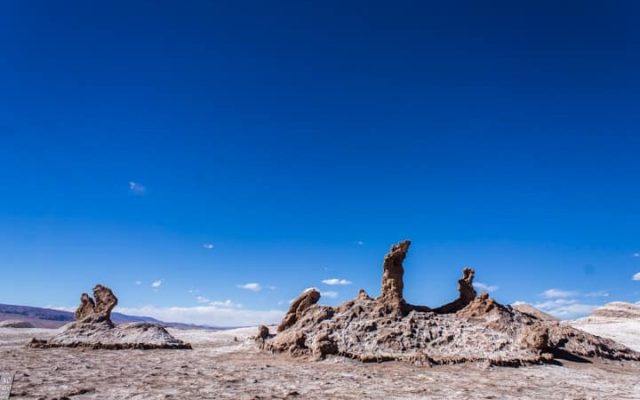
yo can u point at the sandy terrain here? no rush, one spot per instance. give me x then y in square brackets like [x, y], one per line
[226, 365]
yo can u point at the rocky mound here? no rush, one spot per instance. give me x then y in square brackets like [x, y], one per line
[471, 328]
[618, 321]
[618, 309]
[94, 329]
[531, 310]
[16, 324]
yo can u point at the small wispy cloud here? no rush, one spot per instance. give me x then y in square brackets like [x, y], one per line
[565, 308]
[636, 276]
[636, 254]
[202, 299]
[252, 286]
[138, 283]
[485, 287]
[208, 246]
[137, 188]
[558, 294]
[330, 294]
[359, 242]
[336, 282]
[156, 284]
[207, 314]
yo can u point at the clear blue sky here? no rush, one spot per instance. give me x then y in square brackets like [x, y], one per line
[302, 138]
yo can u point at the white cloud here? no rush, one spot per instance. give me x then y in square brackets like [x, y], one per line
[137, 188]
[253, 286]
[138, 283]
[558, 294]
[636, 254]
[211, 315]
[222, 304]
[636, 276]
[518, 303]
[208, 246]
[202, 299]
[61, 308]
[359, 242]
[156, 284]
[485, 287]
[565, 308]
[336, 281]
[329, 294]
[225, 304]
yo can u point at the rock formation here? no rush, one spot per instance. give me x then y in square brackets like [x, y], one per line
[470, 329]
[106, 301]
[85, 308]
[393, 273]
[94, 329]
[467, 294]
[308, 298]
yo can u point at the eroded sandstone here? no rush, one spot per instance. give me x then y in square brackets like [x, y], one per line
[472, 328]
[94, 329]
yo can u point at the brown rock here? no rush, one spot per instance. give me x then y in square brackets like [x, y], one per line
[363, 295]
[263, 332]
[94, 329]
[466, 296]
[85, 308]
[535, 337]
[106, 301]
[392, 276]
[470, 329]
[308, 298]
[324, 345]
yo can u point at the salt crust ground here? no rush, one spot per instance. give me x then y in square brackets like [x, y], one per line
[227, 365]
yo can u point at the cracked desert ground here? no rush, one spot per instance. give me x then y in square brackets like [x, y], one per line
[226, 365]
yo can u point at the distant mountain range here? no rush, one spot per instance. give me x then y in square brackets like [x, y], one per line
[49, 318]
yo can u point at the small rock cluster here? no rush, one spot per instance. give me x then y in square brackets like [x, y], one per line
[472, 328]
[94, 329]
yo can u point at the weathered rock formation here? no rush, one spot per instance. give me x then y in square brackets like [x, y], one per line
[467, 294]
[94, 329]
[106, 301]
[308, 298]
[393, 275]
[86, 307]
[472, 328]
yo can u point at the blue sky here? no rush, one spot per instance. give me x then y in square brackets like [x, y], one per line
[301, 139]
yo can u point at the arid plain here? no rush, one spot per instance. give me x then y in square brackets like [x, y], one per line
[227, 365]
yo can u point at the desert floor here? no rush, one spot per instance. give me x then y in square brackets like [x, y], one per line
[226, 365]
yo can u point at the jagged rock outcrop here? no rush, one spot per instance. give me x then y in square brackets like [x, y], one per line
[86, 307]
[470, 329]
[94, 329]
[466, 296]
[308, 298]
[393, 274]
[106, 301]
